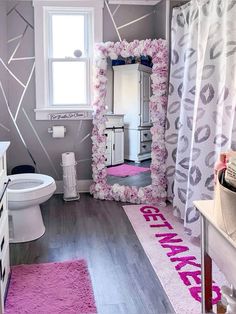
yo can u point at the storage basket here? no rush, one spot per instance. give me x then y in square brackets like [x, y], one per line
[225, 208]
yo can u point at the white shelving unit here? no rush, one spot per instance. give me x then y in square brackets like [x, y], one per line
[132, 90]
[4, 230]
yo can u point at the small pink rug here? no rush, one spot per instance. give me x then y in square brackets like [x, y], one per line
[125, 170]
[53, 288]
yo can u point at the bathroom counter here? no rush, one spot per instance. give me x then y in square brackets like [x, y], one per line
[3, 147]
[206, 208]
[215, 245]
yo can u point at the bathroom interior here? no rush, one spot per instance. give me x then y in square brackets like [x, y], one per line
[117, 156]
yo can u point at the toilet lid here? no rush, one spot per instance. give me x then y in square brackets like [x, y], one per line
[22, 184]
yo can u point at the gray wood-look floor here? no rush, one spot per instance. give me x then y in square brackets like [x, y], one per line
[99, 232]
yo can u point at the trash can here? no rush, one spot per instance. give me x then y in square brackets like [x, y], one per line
[224, 208]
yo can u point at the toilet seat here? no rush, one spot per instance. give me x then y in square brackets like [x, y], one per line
[28, 186]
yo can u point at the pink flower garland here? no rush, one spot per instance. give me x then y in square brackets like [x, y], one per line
[155, 193]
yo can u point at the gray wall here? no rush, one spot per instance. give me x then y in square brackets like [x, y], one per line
[160, 20]
[45, 150]
[141, 30]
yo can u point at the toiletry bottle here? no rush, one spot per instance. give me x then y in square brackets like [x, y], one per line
[219, 165]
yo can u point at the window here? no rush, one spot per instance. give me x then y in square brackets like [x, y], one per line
[69, 58]
[65, 32]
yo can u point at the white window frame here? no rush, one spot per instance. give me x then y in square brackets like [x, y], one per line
[43, 109]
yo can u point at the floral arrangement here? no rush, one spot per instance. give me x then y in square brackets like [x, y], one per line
[155, 193]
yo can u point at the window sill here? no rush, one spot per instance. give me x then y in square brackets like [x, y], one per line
[55, 114]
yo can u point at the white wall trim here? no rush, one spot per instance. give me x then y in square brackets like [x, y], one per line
[83, 186]
[67, 3]
[135, 2]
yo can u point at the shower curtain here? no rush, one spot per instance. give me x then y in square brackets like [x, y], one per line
[202, 101]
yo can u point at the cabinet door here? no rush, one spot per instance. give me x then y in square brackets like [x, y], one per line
[118, 147]
[145, 97]
[108, 134]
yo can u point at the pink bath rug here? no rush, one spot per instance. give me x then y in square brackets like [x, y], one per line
[51, 288]
[125, 170]
[174, 256]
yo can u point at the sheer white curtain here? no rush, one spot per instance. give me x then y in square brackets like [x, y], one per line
[202, 99]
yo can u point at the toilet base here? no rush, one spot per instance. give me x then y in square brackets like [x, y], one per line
[25, 224]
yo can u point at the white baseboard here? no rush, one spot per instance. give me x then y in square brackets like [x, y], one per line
[83, 186]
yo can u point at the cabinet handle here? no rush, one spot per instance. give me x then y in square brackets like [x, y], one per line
[145, 134]
[114, 146]
[106, 147]
[144, 146]
[2, 244]
[105, 159]
[3, 275]
[1, 269]
[106, 135]
[4, 189]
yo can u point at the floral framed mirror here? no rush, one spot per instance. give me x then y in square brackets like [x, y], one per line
[154, 193]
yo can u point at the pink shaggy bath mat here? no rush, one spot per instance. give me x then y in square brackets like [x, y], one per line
[51, 288]
[125, 170]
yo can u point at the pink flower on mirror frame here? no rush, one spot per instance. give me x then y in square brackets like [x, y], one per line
[156, 192]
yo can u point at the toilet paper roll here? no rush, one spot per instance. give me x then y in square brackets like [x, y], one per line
[68, 159]
[58, 131]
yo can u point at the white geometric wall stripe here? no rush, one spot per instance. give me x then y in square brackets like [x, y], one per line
[4, 127]
[113, 21]
[117, 28]
[40, 142]
[18, 39]
[136, 20]
[14, 122]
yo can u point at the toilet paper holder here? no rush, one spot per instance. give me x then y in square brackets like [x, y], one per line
[50, 130]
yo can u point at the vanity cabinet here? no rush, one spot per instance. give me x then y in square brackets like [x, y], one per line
[4, 230]
[114, 140]
[132, 91]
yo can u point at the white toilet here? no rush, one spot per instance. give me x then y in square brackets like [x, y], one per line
[25, 192]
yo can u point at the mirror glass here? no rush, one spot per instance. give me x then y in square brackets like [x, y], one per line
[128, 135]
